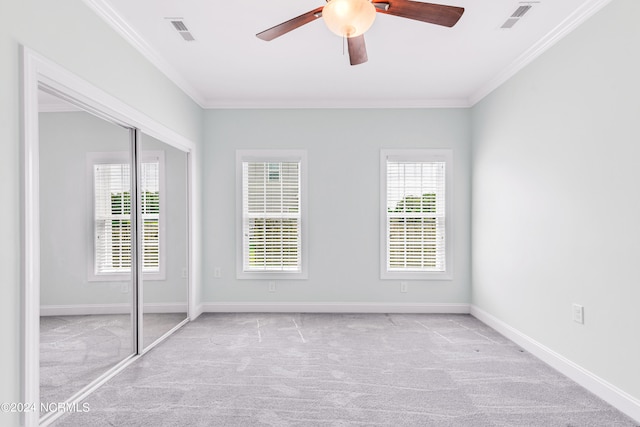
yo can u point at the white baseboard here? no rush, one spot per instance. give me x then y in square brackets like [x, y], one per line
[88, 309]
[617, 398]
[333, 307]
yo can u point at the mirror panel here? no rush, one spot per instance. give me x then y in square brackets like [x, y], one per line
[86, 286]
[164, 236]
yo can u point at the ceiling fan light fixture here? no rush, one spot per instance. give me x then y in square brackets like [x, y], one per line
[349, 18]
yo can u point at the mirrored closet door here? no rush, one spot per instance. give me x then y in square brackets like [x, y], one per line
[114, 245]
[164, 229]
[87, 316]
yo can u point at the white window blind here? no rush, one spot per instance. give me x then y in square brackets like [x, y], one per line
[112, 213]
[150, 211]
[415, 215]
[271, 216]
[112, 191]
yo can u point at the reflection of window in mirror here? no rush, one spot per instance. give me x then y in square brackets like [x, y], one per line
[274, 171]
[111, 205]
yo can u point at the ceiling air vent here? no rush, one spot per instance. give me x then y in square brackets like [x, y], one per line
[517, 15]
[179, 25]
[181, 28]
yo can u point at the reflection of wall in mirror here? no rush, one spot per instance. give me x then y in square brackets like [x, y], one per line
[66, 223]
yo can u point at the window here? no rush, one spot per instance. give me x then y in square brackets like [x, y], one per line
[415, 211]
[111, 178]
[272, 240]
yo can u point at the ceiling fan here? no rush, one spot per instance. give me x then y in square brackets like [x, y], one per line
[352, 18]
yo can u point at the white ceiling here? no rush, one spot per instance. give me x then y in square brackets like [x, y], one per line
[411, 63]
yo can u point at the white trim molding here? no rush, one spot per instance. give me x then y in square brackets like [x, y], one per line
[596, 385]
[39, 72]
[275, 103]
[269, 156]
[335, 307]
[120, 25]
[31, 238]
[583, 13]
[417, 156]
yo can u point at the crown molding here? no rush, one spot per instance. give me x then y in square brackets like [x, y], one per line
[579, 16]
[106, 12]
[119, 24]
[336, 103]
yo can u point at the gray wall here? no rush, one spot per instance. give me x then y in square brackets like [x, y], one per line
[66, 220]
[70, 34]
[343, 148]
[555, 197]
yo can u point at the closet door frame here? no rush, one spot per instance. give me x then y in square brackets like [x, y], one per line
[38, 72]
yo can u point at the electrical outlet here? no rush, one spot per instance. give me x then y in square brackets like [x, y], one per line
[578, 313]
[403, 287]
[272, 286]
[185, 273]
[217, 272]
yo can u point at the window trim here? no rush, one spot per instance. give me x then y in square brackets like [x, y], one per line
[272, 156]
[123, 157]
[420, 155]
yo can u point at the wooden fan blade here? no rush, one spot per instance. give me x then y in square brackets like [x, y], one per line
[357, 50]
[290, 25]
[438, 14]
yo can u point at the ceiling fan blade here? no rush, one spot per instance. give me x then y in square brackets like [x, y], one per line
[438, 14]
[290, 25]
[357, 50]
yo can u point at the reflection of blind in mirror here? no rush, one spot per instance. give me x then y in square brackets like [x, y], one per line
[150, 208]
[274, 171]
[112, 198]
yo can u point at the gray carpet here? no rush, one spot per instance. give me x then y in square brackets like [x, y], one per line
[75, 350]
[341, 370]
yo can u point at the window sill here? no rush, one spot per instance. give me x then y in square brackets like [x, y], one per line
[275, 275]
[416, 275]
